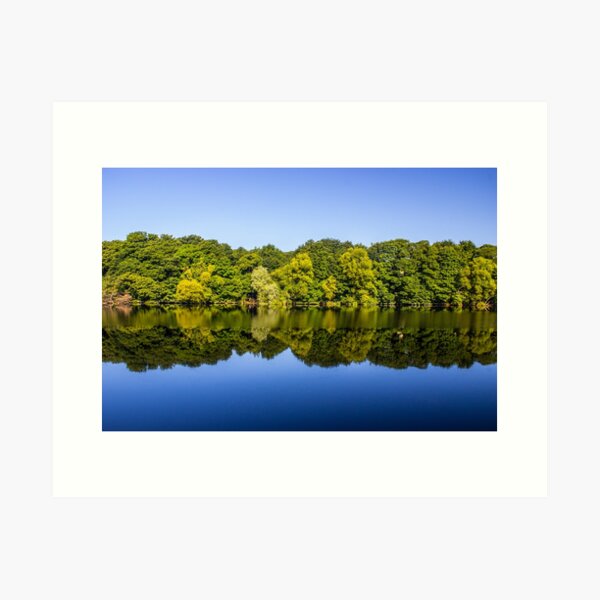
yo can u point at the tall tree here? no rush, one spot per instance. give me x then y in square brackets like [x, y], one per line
[194, 287]
[330, 287]
[296, 278]
[358, 275]
[479, 281]
[267, 291]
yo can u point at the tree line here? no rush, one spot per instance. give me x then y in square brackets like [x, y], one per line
[152, 269]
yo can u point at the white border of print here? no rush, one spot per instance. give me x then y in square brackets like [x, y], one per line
[509, 462]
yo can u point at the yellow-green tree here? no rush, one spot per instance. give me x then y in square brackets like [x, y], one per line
[478, 279]
[194, 287]
[267, 291]
[296, 277]
[330, 287]
[359, 276]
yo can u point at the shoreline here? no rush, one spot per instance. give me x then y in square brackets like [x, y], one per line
[294, 306]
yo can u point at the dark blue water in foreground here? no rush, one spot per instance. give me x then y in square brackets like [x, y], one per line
[384, 372]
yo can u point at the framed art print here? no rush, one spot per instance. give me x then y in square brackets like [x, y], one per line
[299, 299]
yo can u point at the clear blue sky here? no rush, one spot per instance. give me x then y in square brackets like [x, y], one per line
[286, 207]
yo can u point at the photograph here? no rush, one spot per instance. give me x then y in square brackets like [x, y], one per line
[299, 299]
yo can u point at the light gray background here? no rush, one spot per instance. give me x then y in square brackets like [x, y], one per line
[291, 548]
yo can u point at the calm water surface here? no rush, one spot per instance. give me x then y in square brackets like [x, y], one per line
[298, 370]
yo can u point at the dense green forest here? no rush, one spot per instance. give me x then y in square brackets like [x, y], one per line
[155, 269]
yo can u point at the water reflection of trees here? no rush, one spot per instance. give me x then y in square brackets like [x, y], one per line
[341, 318]
[162, 340]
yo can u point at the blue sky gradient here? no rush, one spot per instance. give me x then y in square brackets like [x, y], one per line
[286, 207]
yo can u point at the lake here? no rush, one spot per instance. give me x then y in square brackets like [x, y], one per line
[210, 369]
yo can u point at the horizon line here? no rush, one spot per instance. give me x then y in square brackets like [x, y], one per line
[176, 237]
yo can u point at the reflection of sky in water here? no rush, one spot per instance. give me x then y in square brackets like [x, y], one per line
[250, 393]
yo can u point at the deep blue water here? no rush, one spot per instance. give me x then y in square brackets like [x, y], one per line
[281, 389]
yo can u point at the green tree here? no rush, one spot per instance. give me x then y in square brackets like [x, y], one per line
[267, 291]
[325, 255]
[296, 278]
[478, 279]
[358, 276]
[271, 257]
[441, 269]
[248, 261]
[487, 251]
[330, 287]
[195, 285]
[390, 259]
[139, 287]
[192, 291]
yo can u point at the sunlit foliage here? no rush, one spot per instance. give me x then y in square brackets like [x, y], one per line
[358, 277]
[296, 277]
[330, 287]
[153, 270]
[267, 291]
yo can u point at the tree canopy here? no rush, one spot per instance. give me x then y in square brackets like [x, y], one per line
[155, 269]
